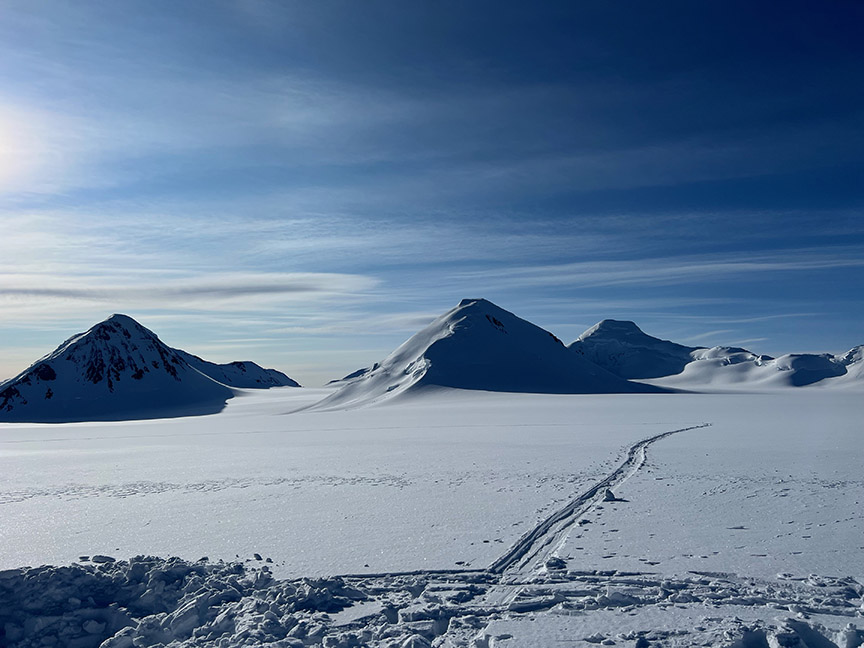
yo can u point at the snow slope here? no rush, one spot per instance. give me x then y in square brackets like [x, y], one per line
[479, 346]
[116, 370]
[241, 374]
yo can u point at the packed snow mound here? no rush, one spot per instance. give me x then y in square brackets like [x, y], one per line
[478, 345]
[241, 374]
[149, 601]
[116, 370]
[623, 349]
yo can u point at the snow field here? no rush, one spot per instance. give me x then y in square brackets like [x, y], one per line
[703, 544]
[774, 486]
[444, 482]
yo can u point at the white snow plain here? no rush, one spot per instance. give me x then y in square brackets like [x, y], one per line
[413, 485]
[745, 528]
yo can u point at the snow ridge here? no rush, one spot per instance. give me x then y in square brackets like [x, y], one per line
[241, 374]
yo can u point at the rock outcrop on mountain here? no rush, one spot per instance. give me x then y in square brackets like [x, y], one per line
[116, 370]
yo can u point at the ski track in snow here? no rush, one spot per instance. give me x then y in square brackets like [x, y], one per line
[524, 554]
[151, 601]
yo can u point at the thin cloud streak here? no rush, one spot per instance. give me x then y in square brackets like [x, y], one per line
[213, 292]
[706, 335]
[661, 271]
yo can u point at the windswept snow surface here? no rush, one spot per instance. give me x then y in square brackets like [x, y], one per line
[710, 535]
[774, 485]
[455, 477]
[478, 345]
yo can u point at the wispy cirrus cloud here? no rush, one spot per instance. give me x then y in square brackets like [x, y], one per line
[672, 270]
[212, 285]
[234, 292]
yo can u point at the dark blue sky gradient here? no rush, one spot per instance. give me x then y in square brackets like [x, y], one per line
[570, 160]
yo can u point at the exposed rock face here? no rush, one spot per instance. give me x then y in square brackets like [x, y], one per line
[116, 370]
[119, 370]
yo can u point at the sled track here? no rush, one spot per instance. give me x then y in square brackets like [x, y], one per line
[565, 516]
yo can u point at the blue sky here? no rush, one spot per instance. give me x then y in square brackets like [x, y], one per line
[305, 184]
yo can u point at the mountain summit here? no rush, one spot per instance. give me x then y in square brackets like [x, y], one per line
[624, 349]
[478, 345]
[116, 370]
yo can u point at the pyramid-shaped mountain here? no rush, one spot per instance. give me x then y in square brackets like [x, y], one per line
[117, 370]
[619, 346]
[478, 345]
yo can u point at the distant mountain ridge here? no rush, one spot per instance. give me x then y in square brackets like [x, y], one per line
[478, 345]
[118, 370]
[241, 374]
[624, 349]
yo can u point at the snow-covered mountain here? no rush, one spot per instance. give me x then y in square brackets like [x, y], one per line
[241, 374]
[853, 362]
[116, 370]
[478, 345]
[724, 366]
[354, 374]
[623, 349]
